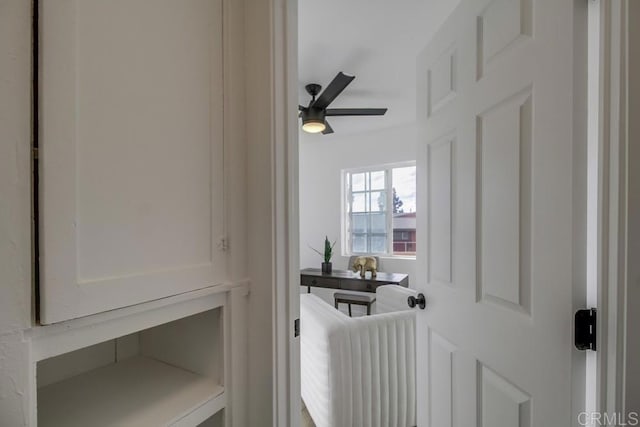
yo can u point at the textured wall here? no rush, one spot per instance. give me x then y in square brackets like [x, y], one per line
[15, 208]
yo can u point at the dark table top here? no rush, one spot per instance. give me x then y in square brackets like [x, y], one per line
[348, 274]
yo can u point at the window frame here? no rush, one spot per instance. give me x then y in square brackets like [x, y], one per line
[347, 192]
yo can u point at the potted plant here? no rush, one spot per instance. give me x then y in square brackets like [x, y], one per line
[326, 256]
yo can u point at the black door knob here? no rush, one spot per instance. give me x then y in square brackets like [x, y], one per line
[420, 301]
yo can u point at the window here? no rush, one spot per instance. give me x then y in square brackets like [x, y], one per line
[380, 210]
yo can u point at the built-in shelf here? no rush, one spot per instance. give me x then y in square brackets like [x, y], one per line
[139, 391]
[158, 365]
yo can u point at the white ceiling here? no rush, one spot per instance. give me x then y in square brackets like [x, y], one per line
[375, 40]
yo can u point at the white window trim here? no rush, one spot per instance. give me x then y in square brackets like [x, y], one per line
[345, 233]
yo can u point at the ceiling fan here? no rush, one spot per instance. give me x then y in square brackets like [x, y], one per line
[315, 114]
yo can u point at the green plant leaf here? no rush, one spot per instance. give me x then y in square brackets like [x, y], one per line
[328, 249]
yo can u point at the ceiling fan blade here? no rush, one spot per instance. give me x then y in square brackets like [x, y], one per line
[337, 85]
[355, 111]
[327, 129]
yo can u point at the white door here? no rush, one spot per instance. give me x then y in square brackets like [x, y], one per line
[131, 152]
[497, 199]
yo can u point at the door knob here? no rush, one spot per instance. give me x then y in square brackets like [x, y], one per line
[420, 301]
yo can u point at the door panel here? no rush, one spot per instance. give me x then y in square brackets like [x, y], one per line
[502, 25]
[500, 403]
[495, 170]
[440, 169]
[503, 176]
[441, 381]
[131, 152]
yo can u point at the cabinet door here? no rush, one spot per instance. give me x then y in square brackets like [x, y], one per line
[131, 152]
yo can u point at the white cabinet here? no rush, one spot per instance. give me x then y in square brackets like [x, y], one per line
[131, 152]
[132, 208]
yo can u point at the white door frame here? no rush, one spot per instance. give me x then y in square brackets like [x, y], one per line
[287, 400]
[619, 214]
[614, 143]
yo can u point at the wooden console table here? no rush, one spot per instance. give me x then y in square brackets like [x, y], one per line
[341, 279]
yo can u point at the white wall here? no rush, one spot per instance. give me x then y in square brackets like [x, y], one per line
[322, 159]
[15, 209]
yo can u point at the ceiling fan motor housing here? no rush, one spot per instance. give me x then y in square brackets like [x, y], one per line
[313, 114]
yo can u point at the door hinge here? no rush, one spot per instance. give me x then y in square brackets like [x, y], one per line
[585, 329]
[296, 328]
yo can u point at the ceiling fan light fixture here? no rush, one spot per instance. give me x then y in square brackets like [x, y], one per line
[313, 120]
[313, 126]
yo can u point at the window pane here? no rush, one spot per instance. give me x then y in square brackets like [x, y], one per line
[404, 184]
[377, 180]
[378, 244]
[404, 210]
[378, 223]
[359, 243]
[378, 201]
[359, 223]
[357, 182]
[359, 203]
